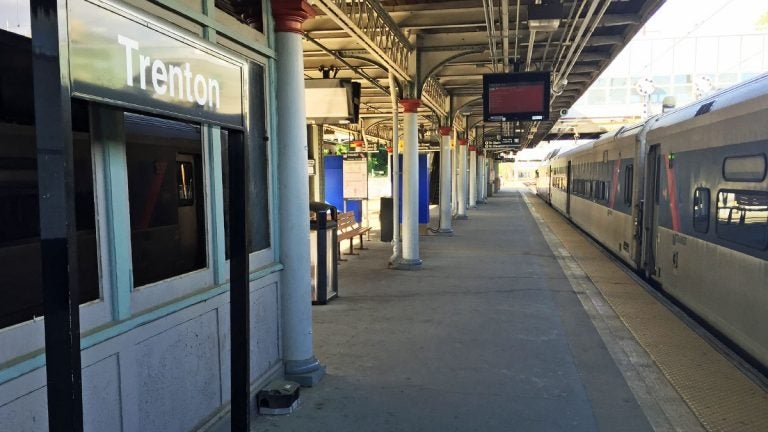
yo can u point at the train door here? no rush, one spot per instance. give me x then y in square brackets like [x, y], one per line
[650, 211]
[568, 180]
[550, 179]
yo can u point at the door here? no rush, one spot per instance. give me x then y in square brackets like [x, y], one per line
[650, 210]
[568, 181]
[550, 179]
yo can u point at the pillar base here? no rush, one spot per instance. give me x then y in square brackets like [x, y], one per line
[408, 264]
[305, 372]
[461, 217]
[447, 232]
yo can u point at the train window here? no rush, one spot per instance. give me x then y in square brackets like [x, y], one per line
[742, 217]
[258, 229]
[628, 179]
[745, 168]
[602, 191]
[21, 295]
[701, 210]
[164, 161]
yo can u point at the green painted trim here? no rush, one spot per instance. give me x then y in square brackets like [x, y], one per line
[110, 133]
[36, 360]
[207, 21]
[273, 145]
[216, 202]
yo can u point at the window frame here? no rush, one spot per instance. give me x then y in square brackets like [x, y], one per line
[153, 294]
[718, 224]
[751, 180]
[93, 314]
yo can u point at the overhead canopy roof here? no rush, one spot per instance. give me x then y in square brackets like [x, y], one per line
[459, 41]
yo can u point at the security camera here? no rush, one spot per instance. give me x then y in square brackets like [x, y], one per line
[563, 112]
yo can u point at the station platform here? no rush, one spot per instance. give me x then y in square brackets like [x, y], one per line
[515, 323]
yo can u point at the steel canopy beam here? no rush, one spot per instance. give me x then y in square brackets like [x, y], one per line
[369, 23]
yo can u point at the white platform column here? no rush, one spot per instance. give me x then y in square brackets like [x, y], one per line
[293, 180]
[461, 195]
[445, 181]
[487, 177]
[410, 231]
[455, 172]
[472, 177]
[482, 168]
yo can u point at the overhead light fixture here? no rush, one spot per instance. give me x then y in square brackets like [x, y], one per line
[544, 17]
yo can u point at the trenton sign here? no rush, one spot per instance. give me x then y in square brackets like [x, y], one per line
[176, 81]
[119, 57]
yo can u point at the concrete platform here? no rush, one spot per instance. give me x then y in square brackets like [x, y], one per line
[501, 330]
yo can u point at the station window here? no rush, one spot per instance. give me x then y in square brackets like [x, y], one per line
[167, 206]
[257, 204]
[742, 217]
[701, 210]
[21, 295]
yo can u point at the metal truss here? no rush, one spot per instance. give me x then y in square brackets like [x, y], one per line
[375, 30]
[435, 96]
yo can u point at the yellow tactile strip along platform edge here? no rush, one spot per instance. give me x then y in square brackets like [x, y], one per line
[720, 395]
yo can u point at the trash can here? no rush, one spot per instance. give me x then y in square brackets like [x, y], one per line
[323, 254]
[385, 219]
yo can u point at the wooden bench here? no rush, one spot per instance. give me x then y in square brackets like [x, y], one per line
[348, 229]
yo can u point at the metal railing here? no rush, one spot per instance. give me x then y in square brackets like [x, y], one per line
[435, 96]
[375, 30]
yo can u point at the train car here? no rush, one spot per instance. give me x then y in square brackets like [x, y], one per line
[543, 182]
[683, 199]
[596, 186]
[543, 173]
[705, 225]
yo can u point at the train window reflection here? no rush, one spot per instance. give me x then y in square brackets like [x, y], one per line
[164, 162]
[185, 183]
[21, 296]
[701, 210]
[742, 217]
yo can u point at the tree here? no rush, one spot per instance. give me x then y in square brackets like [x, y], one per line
[762, 22]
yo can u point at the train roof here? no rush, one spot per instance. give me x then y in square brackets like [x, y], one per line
[754, 88]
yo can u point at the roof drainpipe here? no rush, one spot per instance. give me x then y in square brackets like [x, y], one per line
[531, 41]
[505, 33]
[395, 171]
[490, 25]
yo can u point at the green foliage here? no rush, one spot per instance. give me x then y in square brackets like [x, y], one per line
[377, 162]
[762, 22]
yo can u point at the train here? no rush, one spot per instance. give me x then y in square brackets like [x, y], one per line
[682, 199]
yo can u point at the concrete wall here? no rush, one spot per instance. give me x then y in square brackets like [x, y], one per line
[171, 374]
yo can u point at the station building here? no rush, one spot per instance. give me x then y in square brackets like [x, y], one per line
[160, 93]
[154, 187]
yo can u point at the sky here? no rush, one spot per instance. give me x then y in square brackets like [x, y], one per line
[705, 17]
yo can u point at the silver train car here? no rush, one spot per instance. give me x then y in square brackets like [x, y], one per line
[683, 200]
